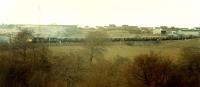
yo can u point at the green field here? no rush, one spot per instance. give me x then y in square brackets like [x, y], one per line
[171, 49]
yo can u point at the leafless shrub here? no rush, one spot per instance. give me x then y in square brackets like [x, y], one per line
[191, 58]
[25, 64]
[149, 70]
[70, 69]
[190, 66]
[17, 72]
[106, 74]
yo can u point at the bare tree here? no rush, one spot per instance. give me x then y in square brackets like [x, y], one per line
[95, 43]
[22, 42]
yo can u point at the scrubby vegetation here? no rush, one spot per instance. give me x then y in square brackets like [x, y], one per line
[25, 64]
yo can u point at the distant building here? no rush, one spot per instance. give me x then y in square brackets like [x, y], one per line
[197, 28]
[129, 27]
[8, 26]
[183, 28]
[157, 31]
[100, 27]
[146, 28]
[112, 26]
[134, 27]
[172, 32]
[189, 32]
[164, 27]
[124, 26]
[163, 32]
[71, 26]
[9, 31]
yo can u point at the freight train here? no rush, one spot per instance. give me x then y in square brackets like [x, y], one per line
[113, 39]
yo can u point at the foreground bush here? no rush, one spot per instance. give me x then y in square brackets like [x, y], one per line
[190, 66]
[149, 70]
[24, 64]
[17, 71]
[106, 74]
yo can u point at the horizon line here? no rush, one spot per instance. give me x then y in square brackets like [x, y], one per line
[99, 25]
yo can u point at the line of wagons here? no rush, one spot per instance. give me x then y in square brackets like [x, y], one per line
[113, 39]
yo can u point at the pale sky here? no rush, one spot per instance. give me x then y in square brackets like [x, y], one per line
[181, 13]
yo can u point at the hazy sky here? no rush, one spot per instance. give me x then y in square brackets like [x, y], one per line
[183, 13]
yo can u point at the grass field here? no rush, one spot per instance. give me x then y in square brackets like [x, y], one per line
[171, 49]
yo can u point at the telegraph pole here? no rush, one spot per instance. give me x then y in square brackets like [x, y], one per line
[39, 19]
